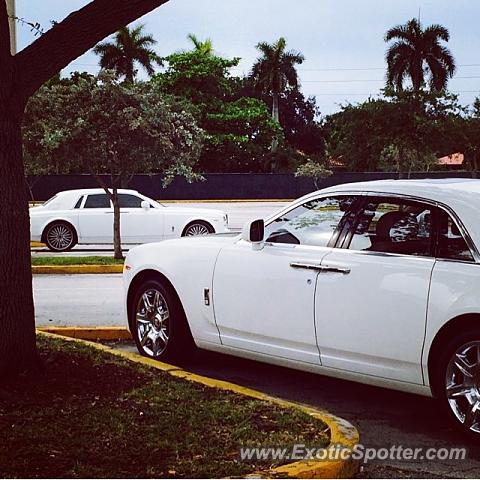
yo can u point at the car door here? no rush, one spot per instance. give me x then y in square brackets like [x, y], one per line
[372, 295]
[139, 225]
[264, 298]
[96, 219]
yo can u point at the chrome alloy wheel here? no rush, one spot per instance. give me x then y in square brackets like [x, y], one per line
[462, 385]
[153, 322]
[197, 229]
[60, 237]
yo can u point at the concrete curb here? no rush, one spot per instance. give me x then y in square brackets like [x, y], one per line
[75, 269]
[343, 435]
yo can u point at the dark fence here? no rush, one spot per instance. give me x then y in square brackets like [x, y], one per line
[218, 186]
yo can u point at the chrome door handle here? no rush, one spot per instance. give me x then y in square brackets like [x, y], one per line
[306, 265]
[320, 268]
[328, 268]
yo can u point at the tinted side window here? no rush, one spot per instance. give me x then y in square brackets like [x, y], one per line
[394, 226]
[312, 223]
[451, 243]
[97, 201]
[129, 201]
[79, 202]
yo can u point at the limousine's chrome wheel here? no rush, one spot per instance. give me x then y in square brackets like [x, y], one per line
[463, 385]
[158, 323]
[197, 228]
[60, 237]
[153, 322]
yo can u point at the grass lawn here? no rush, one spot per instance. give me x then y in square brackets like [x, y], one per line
[91, 415]
[43, 261]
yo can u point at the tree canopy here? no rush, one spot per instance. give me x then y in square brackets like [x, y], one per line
[129, 47]
[100, 126]
[416, 51]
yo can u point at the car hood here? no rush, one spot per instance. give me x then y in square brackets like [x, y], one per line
[200, 241]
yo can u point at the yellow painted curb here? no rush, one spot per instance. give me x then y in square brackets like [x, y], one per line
[343, 435]
[75, 269]
[37, 244]
[90, 333]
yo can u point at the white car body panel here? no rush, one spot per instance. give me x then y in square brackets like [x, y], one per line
[375, 325]
[454, 291]
[376, 286]
[291, 332]
[187, 263]
[95, 225]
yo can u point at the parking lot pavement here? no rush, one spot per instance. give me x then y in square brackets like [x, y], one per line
[238, 214]
[78, 300]
[384, 417]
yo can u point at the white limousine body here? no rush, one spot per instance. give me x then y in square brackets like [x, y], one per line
[377, 282]
[86, 217]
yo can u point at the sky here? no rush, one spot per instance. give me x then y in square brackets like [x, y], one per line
[342, 40]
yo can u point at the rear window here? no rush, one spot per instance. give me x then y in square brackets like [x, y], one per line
[97, 201]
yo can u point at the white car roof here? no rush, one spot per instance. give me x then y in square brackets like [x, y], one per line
[66, 200]
[461, 195]
[87, 191]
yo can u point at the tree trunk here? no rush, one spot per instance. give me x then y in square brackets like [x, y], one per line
[117, 241]
[475, 165]
[275, 111]
[276, 117]
[17, 318]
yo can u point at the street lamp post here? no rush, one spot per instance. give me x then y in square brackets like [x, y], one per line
[13, 26]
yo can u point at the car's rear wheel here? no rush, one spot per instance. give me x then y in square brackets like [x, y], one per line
[458, 381]
[198, 227]
[158, 323]
[60, 237]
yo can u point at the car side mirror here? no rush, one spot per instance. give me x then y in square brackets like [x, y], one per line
[253, 232]
[145, 205]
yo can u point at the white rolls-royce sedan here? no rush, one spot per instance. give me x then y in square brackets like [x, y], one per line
[377, 282]
[86, 217]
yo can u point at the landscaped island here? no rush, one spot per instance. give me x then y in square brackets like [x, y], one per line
[93, 415]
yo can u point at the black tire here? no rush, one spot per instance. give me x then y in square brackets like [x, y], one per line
[447, 372]
[179, 344]
[197, 225]
[60, 237]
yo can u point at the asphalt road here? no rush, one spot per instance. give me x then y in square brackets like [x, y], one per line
[238, 214]
[78, 300]
[384, 417]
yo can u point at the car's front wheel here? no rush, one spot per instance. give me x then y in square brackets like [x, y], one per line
[198, 227]
[158, 323]
[60, 237]
[458, 381]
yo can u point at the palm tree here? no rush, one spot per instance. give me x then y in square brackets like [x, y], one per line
[416, 53]
[129, 47]
[205, 47]
[275, 70]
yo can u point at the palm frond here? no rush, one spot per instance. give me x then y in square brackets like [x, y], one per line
[415, 51]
